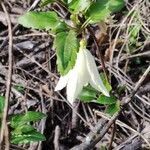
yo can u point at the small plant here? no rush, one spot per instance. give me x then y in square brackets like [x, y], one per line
[75, 63]
[22, 130]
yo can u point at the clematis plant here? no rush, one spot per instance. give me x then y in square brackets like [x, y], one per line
[83, 73]
[75, 64]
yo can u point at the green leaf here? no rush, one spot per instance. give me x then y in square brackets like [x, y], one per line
[2, 103]
[105, 81]
[106, 100]
[23, 129]
[66, 45]
[61, 27]
[134, 32]
[87, 94]
[19, 88]
[98, 11]
[40, 20]
[46, 2]
[116, 5]
[21, 119]
[112, 109]
[101, 9]
[78, 6]
[32, 136]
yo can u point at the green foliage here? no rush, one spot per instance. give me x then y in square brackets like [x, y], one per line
[2, 103]
[19, 88]
[32, 136]
[133, 37]
[88, 94]
[78, 6]
[66, 45]
[105, 81]
[40, 20]
[134, 31]
[61, 27]
[22, 131]
[106, 100]
[21, 119]
[113, 108]
[25, 128]
[101, 9]
[97, 11]
[116, 5]
[113, 105]
[65, 42]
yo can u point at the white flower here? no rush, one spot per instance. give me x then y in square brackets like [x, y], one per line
[84, 72]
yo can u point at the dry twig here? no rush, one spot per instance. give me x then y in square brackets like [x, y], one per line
[4, 128]
[90, 145]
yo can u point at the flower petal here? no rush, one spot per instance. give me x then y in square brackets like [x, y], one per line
[62, 81]
[81, 68]
[95, 79]
[74, 86]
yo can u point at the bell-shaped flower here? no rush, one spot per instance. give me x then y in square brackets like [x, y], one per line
[84, 72]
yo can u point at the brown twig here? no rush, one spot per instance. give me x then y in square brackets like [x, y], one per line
[8, 86]
[89, 138]
[103, 132]
[56, 138]
[112, 136]
[75, 117]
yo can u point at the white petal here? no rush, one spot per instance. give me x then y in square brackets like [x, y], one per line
[95, 79]
[74, 87]
[81, 68]
[62, 81]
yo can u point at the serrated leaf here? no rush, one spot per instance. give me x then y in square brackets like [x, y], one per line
[78, 6]
[112, 109]
[87, 94]
[2, 103]
[23, 129]
[66, 45]
[33, 136]
[101, 9]
[46, 2]
[102, 99]
[21, 119]
[39, 20]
